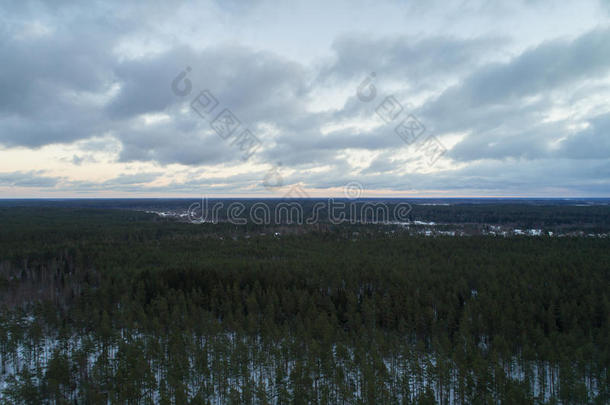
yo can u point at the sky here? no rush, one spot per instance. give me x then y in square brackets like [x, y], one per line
[304, 98]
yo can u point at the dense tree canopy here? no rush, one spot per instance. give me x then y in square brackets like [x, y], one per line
[104, 305]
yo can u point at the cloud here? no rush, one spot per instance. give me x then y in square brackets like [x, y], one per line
[34, 178]
[410, 60]
[92, 85]
[503, 105]
[547, 67]
[590, 143]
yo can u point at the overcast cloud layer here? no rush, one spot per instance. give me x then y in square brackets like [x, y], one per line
[513, 95]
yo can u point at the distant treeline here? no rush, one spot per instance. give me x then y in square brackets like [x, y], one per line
[590, 215]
